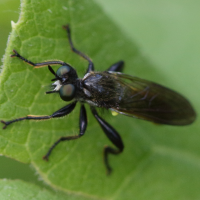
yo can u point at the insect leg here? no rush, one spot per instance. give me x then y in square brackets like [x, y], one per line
[117, 67]
[113, 136]
[37, 65]
[91, 65]
[82, 126]
[60, 113]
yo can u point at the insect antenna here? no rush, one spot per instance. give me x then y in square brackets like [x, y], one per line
[57, 78]
[52, 71]
[49, 92]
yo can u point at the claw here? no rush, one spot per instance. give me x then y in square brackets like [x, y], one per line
[45, 158]
[108, 171]
[15, 53]
[66, 27]
[3, 122]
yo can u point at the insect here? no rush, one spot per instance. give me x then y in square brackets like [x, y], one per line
[111, 89]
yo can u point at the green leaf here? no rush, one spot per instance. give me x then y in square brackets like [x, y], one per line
[22, 190]
[158, 161]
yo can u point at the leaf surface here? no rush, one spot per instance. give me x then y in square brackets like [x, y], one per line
[21, 190]
[154, 159]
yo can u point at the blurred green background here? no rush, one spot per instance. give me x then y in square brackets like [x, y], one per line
[167, 32]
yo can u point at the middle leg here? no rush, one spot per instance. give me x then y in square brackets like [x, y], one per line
[82, 129]
[116, 67]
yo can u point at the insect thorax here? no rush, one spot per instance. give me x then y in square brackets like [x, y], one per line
[100, 89]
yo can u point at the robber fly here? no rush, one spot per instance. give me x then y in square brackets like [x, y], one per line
[111, 89]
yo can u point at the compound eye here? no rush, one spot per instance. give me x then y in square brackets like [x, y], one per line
[63, 70]
[67, 92]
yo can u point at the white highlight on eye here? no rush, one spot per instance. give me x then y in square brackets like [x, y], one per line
[58, 85]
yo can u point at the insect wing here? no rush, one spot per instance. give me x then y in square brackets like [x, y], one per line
[150, 101]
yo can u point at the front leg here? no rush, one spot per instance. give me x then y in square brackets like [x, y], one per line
[37, 65]
[60, 113]
[90, 63]
[113, 136]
